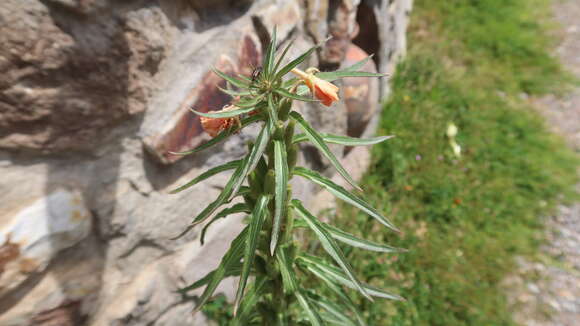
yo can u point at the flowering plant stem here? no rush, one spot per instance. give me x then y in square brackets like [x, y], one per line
[266, 256]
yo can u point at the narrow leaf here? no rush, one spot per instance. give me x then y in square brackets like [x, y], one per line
[329, 245]
[255, 227]
[281, 58]
[226, 114]
[232, 80]
[233, 93]
[236, 209]
[351, 240]
[281, 170]
[272, 112]
[343, 194]
[269, 57]
[334, 75]
[317, 140]
[344, 140]
[232, 256]
[294, 96]
[291, 285]
[207, 174]
[286, 69]
[221, 136]
[320, 269]
[253, 158]
[311, 313]
[332, 308]
[248, 305]
[233, 270]
[334, 287]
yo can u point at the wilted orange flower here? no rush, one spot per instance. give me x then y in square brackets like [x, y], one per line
[213, 126]
[325, 91]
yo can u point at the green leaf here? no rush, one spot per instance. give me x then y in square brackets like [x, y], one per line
[221, 136]
[225, 114]
[334, 75]
[351, 240]
[254, 157]
[311, 313]
[286, 69]
[358, 65]
[272, 112]
[321, 270]
[252, 102]
[269, 57]
[287, 271]
[344, 140]
[233, 93]
[231, 189]
[334, 287]
[281, 170]
[291, 286]
[237, 208]
[233, 270]
[255, 227]
[329, 245]
[232, 80]
[317, 140]
[283, 55]
[231, 257]
[343, 194]
[248, 305]
[335, 310]
[207, 174]
[294, 96]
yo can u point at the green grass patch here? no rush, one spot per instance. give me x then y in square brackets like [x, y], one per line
[463, 218]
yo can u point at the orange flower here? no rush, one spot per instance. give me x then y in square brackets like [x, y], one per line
[325, 91]
[213, 126]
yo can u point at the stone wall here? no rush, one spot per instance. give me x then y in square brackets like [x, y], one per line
[94, 95]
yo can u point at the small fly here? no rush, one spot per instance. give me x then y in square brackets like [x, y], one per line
[256, 73]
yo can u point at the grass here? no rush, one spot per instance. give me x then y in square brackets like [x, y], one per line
[464, 218]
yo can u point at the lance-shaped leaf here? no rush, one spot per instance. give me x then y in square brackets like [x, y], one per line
[344, 140]
[255, 227]
[269, 56]
[237, 208]
[358, 65]
[343, 194]
[317, 141]
[207, 174]
[252, 159]
[233, 270]
[222, 198]
[335, 311]
[226, 114]
[334, 287]
[233, 93]
[221, 136]
[281, 170]
[283, 55]
[328, 243]
[334, 75]
[248, 305]
[286, 69]
[272, 112]
[321, 270]
[291, 285]
[351, 240]
[294, 96]
[232, 256]
[232, 80]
